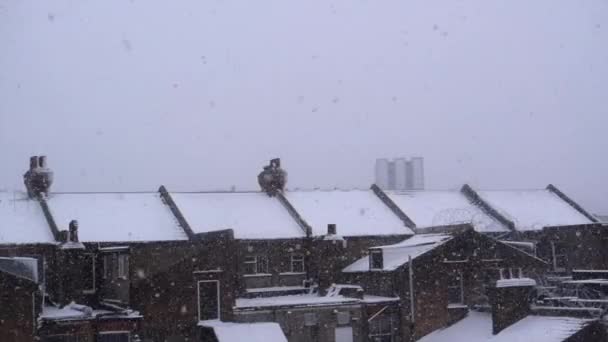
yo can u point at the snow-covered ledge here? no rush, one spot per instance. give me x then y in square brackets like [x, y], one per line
[513, 282]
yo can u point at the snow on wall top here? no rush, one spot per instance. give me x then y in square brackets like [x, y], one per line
[116, 217]
[533, 209]
[394, 256]
[477, 327]
[252, 332]
[355, 212]
[22, 220]
[252, 215]
[440, 208]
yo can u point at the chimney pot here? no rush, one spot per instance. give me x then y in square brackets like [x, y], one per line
[42, 161]
[331, 229]
[73, 231]
[33, 162]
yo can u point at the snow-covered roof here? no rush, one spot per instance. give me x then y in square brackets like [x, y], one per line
[440, 208]
[116, 217]
[252, 332]
[394, 256]
[477, 327]
[22, 220]
[533, 209]
[355, 212]
[252, 215]
[293, 300]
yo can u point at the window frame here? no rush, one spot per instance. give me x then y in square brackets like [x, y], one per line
[297, 258]
[259, 262]
[376, 322]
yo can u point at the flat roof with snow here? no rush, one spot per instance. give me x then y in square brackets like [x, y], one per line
[477, 327]
[252, 215]
[22, 220]
[251, 332]
[428, 208]
[394, 256]
[116, 217]
[355, 212]
[533, 209]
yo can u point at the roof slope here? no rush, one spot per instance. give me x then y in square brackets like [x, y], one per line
[116, 217]
[252, 215]
[533, 209]
[22, 220]
[394, 256]
[441, 208]
[355, 212]
[477, 327]
[252, 332]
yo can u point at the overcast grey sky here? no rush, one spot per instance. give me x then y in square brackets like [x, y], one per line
[127, 95]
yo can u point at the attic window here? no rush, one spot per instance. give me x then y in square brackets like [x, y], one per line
[375, 259]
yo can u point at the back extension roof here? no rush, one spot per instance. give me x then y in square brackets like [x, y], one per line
[394, 256]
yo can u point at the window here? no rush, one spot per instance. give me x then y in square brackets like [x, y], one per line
[560, 257]
[88, 272]
[122, 336]
[297, 263]
[375, 259]
[455, 288]
[510, 273]
[208, 300]
[381, 329]
[123, 266]
[256, 264]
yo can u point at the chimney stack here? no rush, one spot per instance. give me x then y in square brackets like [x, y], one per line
[273, 178]
[331, 229]
[39, 178]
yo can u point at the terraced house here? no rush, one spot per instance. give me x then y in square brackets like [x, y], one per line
[299, 265]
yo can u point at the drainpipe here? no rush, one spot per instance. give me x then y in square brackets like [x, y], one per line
[412, 298]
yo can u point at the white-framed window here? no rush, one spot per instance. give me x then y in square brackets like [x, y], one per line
[381, 329]
[297, 263]
[375, 259]
[88, 272]
[208, 292]
[456, 287]
[510, 273]
[123, 266]
[114, 336]
[256, 264]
